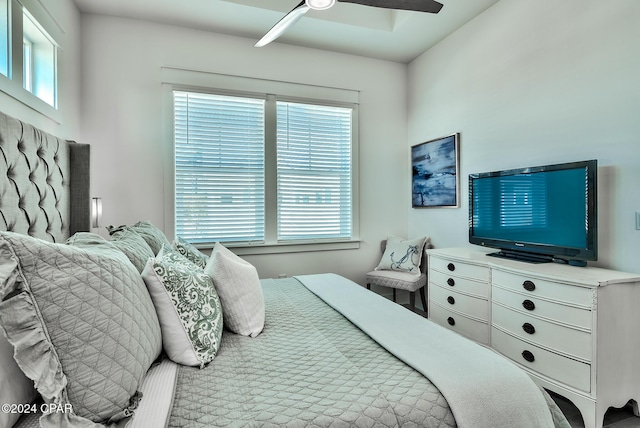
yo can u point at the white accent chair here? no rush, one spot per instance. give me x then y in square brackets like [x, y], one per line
[402, 280]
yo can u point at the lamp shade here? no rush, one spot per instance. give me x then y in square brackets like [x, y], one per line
[96, 212]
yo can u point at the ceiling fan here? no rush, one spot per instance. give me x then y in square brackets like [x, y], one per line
[303, 7]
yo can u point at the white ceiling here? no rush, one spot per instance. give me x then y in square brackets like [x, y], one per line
[350, 28]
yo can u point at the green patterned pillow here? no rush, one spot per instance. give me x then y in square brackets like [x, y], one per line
[190, 252]
[188, 307]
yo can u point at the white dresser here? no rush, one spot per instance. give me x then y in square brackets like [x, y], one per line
[459, 296]
[575, 330]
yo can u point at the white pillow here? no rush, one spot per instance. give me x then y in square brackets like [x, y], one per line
[15, 387]
[187, 305]
[403, 255]
[238, 286]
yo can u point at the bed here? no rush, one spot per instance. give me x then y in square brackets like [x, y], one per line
[91, 323]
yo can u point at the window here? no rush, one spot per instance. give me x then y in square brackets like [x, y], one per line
[27, 40]
[314, 171]
[262, 170]
[219, 167]
[4, 37]
[27, 64]
[39, 60]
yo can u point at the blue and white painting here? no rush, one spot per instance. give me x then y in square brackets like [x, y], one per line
[435, 173]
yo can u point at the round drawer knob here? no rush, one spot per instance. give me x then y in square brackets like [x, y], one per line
[528, 305]
[451, 267]
[527, 355]
[451, 321]
[528, 328]
[451, 300]
[529, 285]
[451, 282]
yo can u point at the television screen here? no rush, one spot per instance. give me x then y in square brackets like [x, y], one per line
[547, 210]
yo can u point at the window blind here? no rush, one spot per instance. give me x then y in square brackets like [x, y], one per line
[219, 167]
[313, 171]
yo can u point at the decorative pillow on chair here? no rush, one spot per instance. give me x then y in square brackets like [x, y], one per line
[187, 305]
[403, 255]
[238, 286]
[83, 325]
[190, 252]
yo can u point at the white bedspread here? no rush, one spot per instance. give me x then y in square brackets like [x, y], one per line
[483, 389]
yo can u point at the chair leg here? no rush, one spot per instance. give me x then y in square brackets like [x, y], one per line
[394, 294]
[424, 299]
[412, 301]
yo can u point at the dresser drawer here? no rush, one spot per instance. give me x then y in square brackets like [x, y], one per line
[527, 303]
[456, 283]
[460, 269]
[570, 294]
[573, 342]
[473, 329]
[448, 298]
[555, 366]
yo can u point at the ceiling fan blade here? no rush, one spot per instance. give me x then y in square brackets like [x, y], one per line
[284, 24]
[429, 6]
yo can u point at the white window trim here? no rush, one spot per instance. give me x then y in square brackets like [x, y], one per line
[194, 80]
[13, 85]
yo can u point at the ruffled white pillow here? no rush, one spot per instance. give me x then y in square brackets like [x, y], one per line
[82, 323]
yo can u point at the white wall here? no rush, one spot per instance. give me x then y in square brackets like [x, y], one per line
[535, 82]
[123, 119]
[65, 14]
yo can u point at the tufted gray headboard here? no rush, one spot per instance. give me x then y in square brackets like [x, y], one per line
[44, 182]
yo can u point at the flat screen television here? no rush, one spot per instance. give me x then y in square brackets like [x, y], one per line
[537, 214]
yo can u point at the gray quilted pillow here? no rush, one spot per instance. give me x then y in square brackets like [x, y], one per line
[154, 237]
[82, 322]
[131, 245]
[134, 246]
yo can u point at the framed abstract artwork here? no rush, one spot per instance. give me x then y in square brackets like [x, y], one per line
[435, 177]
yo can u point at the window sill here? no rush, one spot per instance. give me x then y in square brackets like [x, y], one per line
[18, 93]
[295, 247]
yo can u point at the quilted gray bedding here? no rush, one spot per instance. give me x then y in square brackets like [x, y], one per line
[309, 367]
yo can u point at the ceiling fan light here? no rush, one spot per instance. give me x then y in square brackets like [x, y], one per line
[320, 4]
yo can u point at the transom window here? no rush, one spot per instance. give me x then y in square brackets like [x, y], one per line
[4, 37]
[29, 54]
[39, 60]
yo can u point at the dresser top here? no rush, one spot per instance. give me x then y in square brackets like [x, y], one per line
[585, 276]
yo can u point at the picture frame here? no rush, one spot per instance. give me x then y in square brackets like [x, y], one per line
[435, 173]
